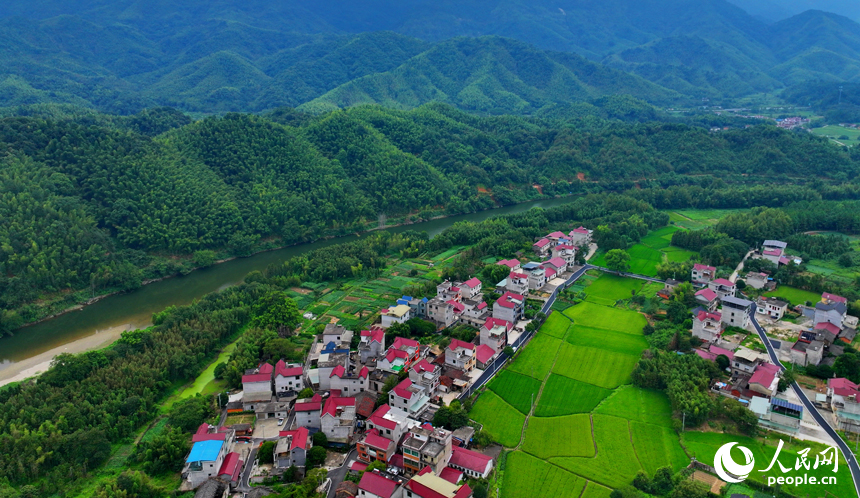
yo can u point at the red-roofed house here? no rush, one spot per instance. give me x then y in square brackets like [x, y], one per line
[372, 447]
[204, 434]
[542, 248]
[451, 475]
[566, 252]
[372, 344]
[723, 287]
[460, 354]
[308, 411]
[337, 419]
[473, 464]
[292, 448]
[557, 264]
[828, 297]
[714, 351]
[494, 333]
[349, 382]
[555, 236]
[390, 422]
[400, 355]
[288, 377]
[471, 288]
[374, 485]
[509, 307]
[517, 282]
[425, 374]
[702, 274]
[257, 386]
[410, 398]
[484, 355]
[844, 396]
[513, 264]
[707, 326]
[580, 237]
[765, 379]
[708, 298]
[429, 485]
[231, 469]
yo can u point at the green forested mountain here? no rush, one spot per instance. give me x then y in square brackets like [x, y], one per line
[220, 56]
[96, 203]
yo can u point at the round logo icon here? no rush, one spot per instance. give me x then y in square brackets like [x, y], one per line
[725, 465]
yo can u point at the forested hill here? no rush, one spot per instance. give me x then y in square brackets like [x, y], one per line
[97, 203]
[210, 57]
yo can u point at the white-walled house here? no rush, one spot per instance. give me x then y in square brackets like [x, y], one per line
[288, 377]
[509, 307]
[460, 354]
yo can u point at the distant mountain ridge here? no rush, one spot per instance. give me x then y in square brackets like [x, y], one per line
[223, 55]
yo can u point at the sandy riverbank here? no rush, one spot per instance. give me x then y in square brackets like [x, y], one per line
[39, 363]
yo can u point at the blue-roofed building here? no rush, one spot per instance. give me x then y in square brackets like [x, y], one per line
[204, 461]
[777, 414]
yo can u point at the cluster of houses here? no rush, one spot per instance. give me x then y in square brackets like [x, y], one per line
[843, 398]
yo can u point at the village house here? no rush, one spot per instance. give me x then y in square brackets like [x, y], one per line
[494, 333]
[441, 312]
[771, 307]
[473, 464]
[308, 412]
[831, 309]
[373, 446]
[426, 375]
[745, 362]
[668, 288]
[320, 377]
[447, 290]
[484, 356]
[542, 248]
[557, 264]
[764, 379]
[204, 461]
[390, 422]
[777, 414]
[537, 275]
[513, 264]
[345, 380]
[773, 250]
[518, 283]
[723, 287]
[257, 386]
[460, 354]
[418, 306]
[471, 289]
[338, 334]
[428, 485]
[707, 298]
[807, 351]
[557, 237]
[292, 448]
[273, 409]
[426, 446]
[702, 274]
[400, 355]
[509, 307]
[288, 377]
[580, 237]
[375, 485]
[843, 396]
[566, 252]
[475, 313]
[372, 344]
[736, 311]
[337, 419]
[409, 397]
[713, 351]
[707, 326]
[231, 469]
[756, 280]
[395, 314]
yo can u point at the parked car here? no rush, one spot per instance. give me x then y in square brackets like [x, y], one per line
[281, 421]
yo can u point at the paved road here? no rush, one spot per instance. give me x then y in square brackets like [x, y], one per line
[244, 483]
[736, 273]
[337, 475]
[846, 451]
[626, 274]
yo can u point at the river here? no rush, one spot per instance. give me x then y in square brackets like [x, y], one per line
[31, 349]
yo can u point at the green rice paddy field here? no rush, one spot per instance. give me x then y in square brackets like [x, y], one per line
[652, 250]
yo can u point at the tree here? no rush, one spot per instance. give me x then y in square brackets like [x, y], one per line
[320, 439]
[375, 465]
[306, 393]
[785, 380]
[685, 294]
[688, 488]
[642, 482]
[266, 453]
[276, 311]
[508, 351]
[204, 258]
[316, 457]
[662, 481]
[480, 491]
[845, 260]
[189, 413]
[617, 260]
[164, 452]
[291, 474]
[723, 362]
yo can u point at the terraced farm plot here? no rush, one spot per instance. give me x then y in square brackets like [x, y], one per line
[564, 396]
[537, 356]
[501, 421]
[568, 436]
[657, 447]
[635, 403]
[615, 464]
[594, 490]
[516, 389]
[603, 317]
[595, 366]
[580, 335]
[556, 325]
[704, 445]
[613, 287]
[528, 477]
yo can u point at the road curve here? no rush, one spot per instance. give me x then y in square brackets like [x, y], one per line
[846, 451]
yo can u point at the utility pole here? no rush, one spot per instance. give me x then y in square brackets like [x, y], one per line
[684, 422]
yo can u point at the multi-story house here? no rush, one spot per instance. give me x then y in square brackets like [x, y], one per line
[372, 344]
[557, 264]
[337, 334]
[288, 377]
[375, 485]
[707, 326]
[537, 275]
[773, 251]
[400, 355]
[429, 485]
[418, 306]
[441, 312]
[257, 386]
[723, 287]
[580, 237]
[518, 283]
[542, 248]
[374, 447]
[831, 309]
[395, 314]
[702, 274]
[349, 382]
[426, 447]
[308, 412]
[337, 419]
[460, 355]
[494, 333]
[707, 298]
[771, 307]
[204, 461]
[509, 307]
[425, 374]
[765, 379]
[745, 361]
[736, 311]
[475, 465]
[474, 313]
[409, 397]
[843, 396]
[566, 252]
[471, 289]
[292, 448]
[513, 264]
[390, 422]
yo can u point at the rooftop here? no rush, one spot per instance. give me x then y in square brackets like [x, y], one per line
[376, 484]
[205, 451]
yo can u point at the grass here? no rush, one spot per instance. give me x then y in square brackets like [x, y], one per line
[704, 445]
[615, 464]
[527, 477]
[556, 325]
[565, 396]
[516, 389]
[536, 358]
[568, 436]
[500, 420]
[657, 447]
[836, 131]
[795, 296]
[603, 317]
[595, 366]
[610, 340]
[642, 405]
